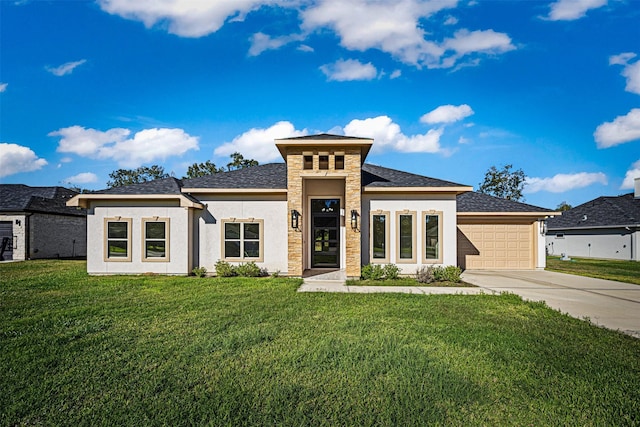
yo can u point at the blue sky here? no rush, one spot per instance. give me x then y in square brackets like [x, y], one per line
[446, 88]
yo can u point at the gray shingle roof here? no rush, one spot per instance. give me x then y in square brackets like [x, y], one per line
[267, 176]
[601, 212]
[479, 202]
[324, 136]
[378, 176]
[23, 198]
[157, 186]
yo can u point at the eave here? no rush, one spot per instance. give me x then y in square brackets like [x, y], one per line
[235, 190]
[509, 214]
[441, 190]
[83, 200]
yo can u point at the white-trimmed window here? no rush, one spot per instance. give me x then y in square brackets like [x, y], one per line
[406, 237]
[432, 222]
[379, 237]
[155, 239]
[117, 239]
[243, 239]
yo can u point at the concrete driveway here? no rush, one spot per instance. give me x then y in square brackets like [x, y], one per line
[614, 305]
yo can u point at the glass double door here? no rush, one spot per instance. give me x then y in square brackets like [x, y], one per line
[325, 233]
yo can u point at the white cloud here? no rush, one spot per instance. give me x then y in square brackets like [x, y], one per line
[261, 42]
[305, 48]
[630, 176]
[447, 114]
[388, 135]
[622, 129]
[82, 178]
[451, 20]
[3, 87]
[465, 42]
[569, 10]
[15, 158]
[66, 68]
[630, 71]
[463, 140]
[350, 69]
[395, 74]
[146, 146]
[258, 144]
[186, 18]
[564, 182]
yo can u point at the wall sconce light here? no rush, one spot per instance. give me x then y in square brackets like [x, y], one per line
[18, 222]
[354, 219]
[295, 215]
[543, 227]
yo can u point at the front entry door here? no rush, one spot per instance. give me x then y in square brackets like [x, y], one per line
[325, 233]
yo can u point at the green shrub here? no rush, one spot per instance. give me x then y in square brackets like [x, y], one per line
[451, 273]
[199, 271]
[224, 269]
[249, 269]
[391, 271]
[372, 272]
[425, 274]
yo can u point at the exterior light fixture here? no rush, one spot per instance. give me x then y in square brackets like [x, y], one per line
[354, 219]
[543, 227]
[295, 215]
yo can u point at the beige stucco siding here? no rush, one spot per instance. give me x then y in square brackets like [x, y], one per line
[420, 204]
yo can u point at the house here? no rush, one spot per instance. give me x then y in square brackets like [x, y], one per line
[35, 222]
[605, 227]
[324, 208]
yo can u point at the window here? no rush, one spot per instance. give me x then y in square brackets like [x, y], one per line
[117, 239]
[307, 162]
[559, 235]
[379, 237]
[155, 244]
[243, 240]
[339, 159]
[323, 162]
[406, 242]
[432, 237]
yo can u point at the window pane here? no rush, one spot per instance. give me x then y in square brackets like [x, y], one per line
[117, 249]
[379, 236]
[325, 205]
[339, 162]
[117, 230]
[252, 249]
[406, 238]
[232, 231]
[155, 249]
[308, 162]
[432, 229]
[323, 162]
[232, 249]
[155, 230]
[251, 231]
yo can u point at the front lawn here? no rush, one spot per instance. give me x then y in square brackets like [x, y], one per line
[622, 271]
[153, 350]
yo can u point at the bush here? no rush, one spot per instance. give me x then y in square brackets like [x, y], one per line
[224, 269]
[249, 269]
[199, 271]
[425, 274]
[372, 272]
[391, 271]
[451, 273]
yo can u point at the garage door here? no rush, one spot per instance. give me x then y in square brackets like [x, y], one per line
[495, 246]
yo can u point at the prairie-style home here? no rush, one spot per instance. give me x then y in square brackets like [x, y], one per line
[323, 208]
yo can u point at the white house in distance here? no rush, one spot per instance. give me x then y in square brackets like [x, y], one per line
[324, 208]
[606, 227]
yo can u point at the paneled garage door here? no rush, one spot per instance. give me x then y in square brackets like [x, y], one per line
[495, 246]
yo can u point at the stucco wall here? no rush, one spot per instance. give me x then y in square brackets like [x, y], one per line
[57, 236]
[271, 209]
[394, 203]
[617, 243]
[179, 239]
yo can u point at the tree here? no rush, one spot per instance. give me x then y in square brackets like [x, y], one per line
[122, 177]
[239, 162]
[202, 169]
[504, 183]
[564, 206]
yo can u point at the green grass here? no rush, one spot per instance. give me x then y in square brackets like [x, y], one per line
[153, 350]
[407, 281]
[622, 271]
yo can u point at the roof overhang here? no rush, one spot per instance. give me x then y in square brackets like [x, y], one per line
[512, 214]
[364, 144]
[599, 227]
[235, 190]
[83, 200]
[440, 190]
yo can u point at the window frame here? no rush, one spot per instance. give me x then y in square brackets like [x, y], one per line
[106, 239]
[439, 215]
[338, 160]
[413, 259]
[167, 234]
[323, 161]
[223, 239]
[387, 216]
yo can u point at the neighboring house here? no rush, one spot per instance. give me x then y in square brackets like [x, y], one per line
[606, 227]
[35, 222]
[324, 208]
